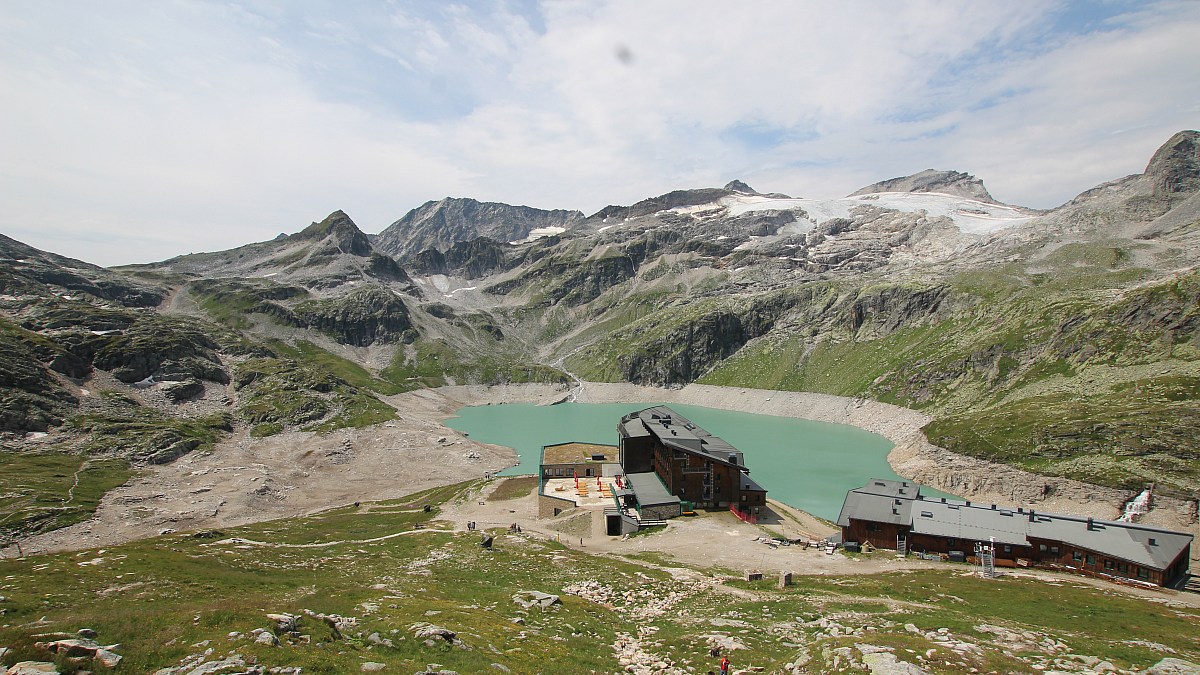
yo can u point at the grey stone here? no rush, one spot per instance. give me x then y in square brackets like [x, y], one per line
[372, 667]
[267, 638]
[376, 639]
[87, 633]
[1173, 666]
[531, 599]
[32, 668]
[109, 659]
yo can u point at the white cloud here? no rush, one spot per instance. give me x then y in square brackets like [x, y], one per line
[134, 132]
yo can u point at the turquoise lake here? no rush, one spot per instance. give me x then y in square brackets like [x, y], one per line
[808, 465]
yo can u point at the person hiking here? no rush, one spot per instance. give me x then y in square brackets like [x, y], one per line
[724, 665]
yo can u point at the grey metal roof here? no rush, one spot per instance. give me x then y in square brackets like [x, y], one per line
[649, 489]
[679, 433]
[633, 428]
[749, 483]
[1127, 541]
[900, 503]
[875, 508]
[975, 522]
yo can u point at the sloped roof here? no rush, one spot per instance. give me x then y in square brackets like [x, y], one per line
[977, 523]
[649, 489]
[679, 433]
[1127, 541]
[900, 503]
[880, 501]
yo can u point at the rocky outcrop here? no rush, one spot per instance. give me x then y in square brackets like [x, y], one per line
[337, 233]
[26, 270]
[31, 398]
[365, 315]
[472, 259]
[1175, 167]
[930, 180]
[160, 348]
[687, 352]
[570, 281]
[441, 224]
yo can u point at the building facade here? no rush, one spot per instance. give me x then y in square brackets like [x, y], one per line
[691, 463]
[893, 514]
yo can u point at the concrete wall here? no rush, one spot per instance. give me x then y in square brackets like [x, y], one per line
[547, 505]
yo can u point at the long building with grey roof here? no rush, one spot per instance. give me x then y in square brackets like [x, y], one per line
[894, 514]
[693, 465]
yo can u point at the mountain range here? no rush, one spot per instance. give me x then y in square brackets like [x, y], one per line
[1062, 341]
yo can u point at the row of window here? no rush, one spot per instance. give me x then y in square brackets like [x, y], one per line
[559, 472]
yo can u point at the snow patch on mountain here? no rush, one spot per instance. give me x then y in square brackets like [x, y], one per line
[970, 215]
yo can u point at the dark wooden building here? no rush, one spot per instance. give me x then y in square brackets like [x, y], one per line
[893, 514]
[692, 464]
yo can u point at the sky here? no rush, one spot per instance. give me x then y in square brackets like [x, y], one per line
[137, 131]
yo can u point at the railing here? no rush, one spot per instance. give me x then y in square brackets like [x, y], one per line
[746, 517]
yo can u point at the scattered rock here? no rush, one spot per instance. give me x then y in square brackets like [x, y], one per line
[531, 599]
[284, 622]
[109, 659]
[32, 668]
[372, 667]
[376, 639]
[1173, 666]
[87, 633]
[267, 638]
[339, 624]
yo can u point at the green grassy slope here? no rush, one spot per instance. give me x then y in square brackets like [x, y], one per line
[388, 565]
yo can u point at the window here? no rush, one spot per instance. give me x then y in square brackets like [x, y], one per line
[1054, 550]
[1108, 564]
[1091, 559]
[1042, 548]
[1077, 556]
[927, 514]
[1007, 548]
[1123, 568]
[743, 497]
[1143, 573]
[951, 542]
[873, 527]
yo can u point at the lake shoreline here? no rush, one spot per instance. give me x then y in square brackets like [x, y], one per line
[913, 456]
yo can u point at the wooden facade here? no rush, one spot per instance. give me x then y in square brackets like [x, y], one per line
[878, 513]
[692, 464]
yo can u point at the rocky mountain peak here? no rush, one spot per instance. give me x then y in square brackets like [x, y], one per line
[441, 224]
[341, 232]
[1175, 167]
[739, 186]
[931, 180]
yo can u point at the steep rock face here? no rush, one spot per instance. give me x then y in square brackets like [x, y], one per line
[362, 317]
[930, 180]
[1175, 167]
[443, 223]
[688, 351]
[571, 281]
[468, 259]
